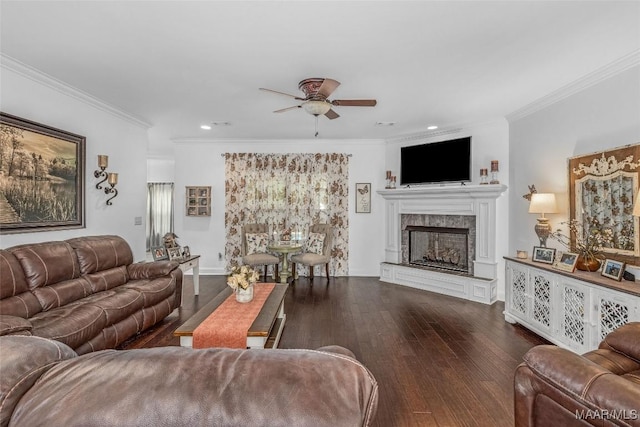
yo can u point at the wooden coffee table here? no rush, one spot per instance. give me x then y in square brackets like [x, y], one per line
[266, 330]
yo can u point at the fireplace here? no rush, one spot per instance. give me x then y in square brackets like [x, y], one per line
[461, 212]
[442, 248]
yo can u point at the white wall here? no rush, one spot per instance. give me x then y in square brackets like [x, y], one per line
[201, 163]
[125, 142]
[603, 116]
[489, 141]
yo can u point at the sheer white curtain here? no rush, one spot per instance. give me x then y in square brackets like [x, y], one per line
[288, 191]
[159, 212]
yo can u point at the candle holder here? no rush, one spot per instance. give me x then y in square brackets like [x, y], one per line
[112, 180]
[494, 172]
[103, 162]
[484, 176]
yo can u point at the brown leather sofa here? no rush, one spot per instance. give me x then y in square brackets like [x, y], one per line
[555, 387]
[85, 292]
[44, 383]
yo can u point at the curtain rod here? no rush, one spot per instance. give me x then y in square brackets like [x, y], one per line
[348, 154]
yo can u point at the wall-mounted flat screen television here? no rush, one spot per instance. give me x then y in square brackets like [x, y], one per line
[436, 162]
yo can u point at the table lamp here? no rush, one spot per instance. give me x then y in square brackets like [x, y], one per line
[543, 203]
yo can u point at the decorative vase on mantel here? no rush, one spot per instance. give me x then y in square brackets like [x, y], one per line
[244, 295]
[587, 263]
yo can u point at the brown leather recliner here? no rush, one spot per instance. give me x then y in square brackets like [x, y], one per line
[45, 383]
[556, 387]
[85, 292]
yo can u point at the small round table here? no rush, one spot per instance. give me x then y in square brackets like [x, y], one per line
[285, 249]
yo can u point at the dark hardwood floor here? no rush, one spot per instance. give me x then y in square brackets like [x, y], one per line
[439, 360]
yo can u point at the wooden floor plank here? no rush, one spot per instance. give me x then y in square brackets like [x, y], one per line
[439, 361]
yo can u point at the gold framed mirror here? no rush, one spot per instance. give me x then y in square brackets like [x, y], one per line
[602, 191]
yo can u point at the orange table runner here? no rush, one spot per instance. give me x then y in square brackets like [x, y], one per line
[228, 325]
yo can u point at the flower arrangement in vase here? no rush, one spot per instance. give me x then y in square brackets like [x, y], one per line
[241, 280]
[589, 239]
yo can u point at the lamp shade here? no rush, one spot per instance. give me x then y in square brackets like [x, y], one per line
[543, 203]
[636, 205]
[316, 107]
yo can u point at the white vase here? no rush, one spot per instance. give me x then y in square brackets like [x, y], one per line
[244, 295]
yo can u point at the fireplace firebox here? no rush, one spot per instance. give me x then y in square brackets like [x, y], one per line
[443, 248]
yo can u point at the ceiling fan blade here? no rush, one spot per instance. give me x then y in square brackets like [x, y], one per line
[331, 114]
[355, 102]
[327, 87]
[282, 93]
[282, 110]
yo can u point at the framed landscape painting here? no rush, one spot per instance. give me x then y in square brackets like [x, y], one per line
[41, 177]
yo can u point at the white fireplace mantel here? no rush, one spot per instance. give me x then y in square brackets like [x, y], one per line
[477, 200]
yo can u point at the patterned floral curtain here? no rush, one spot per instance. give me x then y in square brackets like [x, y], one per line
[287, 191]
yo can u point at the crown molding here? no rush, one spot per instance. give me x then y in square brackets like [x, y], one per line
[293, 141]
[616, 67]
[422, 136]
[38, 76]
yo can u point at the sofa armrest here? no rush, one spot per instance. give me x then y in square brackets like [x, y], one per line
[552, 378]
[24, 360]
[624, 340]
[206, 387]
[151, 270]
[14, 325]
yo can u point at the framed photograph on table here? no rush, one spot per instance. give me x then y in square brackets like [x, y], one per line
[174, 253]
[186, 252]
[159, 253]
[363, 198]
[613, 269]
[566, 262]
[545, 255]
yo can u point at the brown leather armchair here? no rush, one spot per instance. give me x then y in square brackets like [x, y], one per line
[556, 387]
[44, 383]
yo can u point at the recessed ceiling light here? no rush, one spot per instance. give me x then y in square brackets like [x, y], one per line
[205, 127]
[385, 123]
[432, 127]
[222, 123]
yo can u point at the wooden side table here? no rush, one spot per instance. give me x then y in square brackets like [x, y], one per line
[192, 262]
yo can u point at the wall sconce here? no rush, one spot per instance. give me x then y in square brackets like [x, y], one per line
[112, 180]
[103, 162]
[543, 203]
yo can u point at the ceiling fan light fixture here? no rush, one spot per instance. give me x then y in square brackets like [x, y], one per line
[316, 108]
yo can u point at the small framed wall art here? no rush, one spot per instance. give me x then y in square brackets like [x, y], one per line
[363, 198]
[613, 269]
[566, 262]
[545, 255]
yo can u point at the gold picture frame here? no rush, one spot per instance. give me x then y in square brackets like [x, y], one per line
[603, 187]
[566, 261]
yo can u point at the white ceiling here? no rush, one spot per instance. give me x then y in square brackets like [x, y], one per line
[180, 64]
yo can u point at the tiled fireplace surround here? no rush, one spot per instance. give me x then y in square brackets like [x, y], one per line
[471, 206]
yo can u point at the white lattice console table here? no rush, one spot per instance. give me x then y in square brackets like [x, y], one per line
[573, 310]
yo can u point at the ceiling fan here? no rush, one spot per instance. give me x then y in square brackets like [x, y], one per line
[315, 102]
